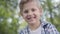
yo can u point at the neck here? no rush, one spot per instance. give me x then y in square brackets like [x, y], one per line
[34, 26]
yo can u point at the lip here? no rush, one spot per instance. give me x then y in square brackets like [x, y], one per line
[31, 18]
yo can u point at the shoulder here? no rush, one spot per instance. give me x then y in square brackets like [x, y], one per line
[50, 28]
[47, 24]
[23, 31]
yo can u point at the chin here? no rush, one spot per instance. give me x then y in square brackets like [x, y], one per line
[31, 22]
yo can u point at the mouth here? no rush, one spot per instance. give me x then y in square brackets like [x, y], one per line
[31, 18]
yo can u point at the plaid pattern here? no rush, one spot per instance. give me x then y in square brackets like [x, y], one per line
[47, 28]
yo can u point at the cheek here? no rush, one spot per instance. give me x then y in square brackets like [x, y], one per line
[24, 16]
[38, 15]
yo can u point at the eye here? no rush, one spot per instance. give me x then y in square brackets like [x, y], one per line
[33, 9]
[26, 11]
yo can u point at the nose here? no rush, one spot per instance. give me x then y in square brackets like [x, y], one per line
[30, 13]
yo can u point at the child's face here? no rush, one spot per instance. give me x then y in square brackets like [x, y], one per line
[31, 13]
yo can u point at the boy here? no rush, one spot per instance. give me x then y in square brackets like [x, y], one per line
[31, 11]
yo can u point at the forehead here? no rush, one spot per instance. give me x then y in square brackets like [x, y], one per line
[30, 5]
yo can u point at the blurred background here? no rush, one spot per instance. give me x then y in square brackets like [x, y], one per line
[11, 22]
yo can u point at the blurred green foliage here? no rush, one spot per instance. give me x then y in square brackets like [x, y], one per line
[23, 24]
[8, 23]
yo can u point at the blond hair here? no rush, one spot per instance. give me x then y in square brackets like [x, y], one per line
[26, 1]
